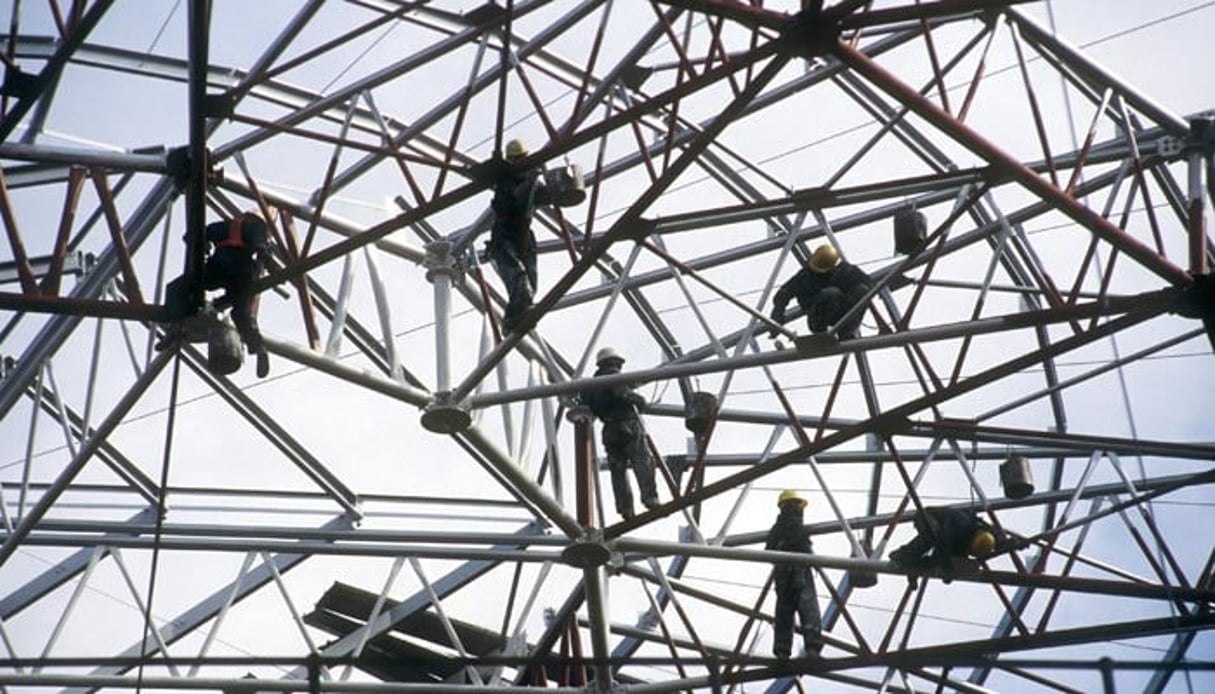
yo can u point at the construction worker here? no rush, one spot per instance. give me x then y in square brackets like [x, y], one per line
[794, 583]
[618, 407]
[943, 535]
[240, 251]
[826, 288]
[512, 244]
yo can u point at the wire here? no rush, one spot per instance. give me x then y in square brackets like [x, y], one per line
[160, 32]
[161, 509]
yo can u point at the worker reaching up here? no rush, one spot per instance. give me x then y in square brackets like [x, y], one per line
[826, 289]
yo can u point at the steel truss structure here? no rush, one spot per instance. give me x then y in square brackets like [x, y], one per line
[414, 500]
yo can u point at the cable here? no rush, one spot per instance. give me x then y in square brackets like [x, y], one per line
[160, 32]
[161, 509]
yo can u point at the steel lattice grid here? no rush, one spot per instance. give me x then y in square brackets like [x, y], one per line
[346, 484]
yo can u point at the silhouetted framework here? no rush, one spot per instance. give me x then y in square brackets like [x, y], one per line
[416, 499]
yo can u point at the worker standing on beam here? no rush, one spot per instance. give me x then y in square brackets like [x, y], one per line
[794, 583]
[512, 243]
[826, 289]
[618, 407]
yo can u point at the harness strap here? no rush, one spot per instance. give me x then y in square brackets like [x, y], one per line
[235, 238]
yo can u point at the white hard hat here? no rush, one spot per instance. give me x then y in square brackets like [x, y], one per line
[608, 354]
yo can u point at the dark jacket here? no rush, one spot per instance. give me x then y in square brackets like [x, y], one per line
[956, 529]
[615, 403]
[514, 203]
[806, 284]
[788, 534]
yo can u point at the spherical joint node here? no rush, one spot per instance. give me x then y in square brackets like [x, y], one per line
[587, 551]
[444, 416]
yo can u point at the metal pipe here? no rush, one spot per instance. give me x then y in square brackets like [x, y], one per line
[90, 446]
[997, 157]
[1159, 301]
[440, 267]
[1043, 37]
[1082, 585]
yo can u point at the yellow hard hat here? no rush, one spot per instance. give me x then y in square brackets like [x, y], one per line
[515, 149]
[825, 257]
[791, 495]
[983, 543]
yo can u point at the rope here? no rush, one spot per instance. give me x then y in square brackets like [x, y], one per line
[160, 515]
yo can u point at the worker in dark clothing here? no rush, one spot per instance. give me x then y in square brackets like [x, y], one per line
[1198, 301]
[825, 289]
[512, 244]
[794, 583]
[240, 250]
[945, 534]
[623, 437]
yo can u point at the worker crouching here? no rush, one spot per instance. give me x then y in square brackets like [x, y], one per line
[794, 583]
[825, 289]
[944, 535]
[240, 249]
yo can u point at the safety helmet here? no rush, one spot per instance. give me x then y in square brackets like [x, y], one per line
[982, 543]
[824, 258]
[791, 495]
[515, 149]
[608, 354]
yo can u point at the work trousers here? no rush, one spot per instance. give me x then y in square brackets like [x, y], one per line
[795, 594]
[234, 271]
[830, 305]
[516, 265]
[624, 441]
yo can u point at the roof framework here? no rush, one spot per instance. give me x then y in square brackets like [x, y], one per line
[411, 502]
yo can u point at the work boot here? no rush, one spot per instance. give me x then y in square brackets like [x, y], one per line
[651, 502]
[781, 650]
[627, 513]
[814, 647]
[263, 363]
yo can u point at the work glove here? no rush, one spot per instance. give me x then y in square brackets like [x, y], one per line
[778, 316]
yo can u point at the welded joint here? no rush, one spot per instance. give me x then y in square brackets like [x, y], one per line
[576, 412]
[440, 260]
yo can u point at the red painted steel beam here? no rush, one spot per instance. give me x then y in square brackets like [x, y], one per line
[972, 140]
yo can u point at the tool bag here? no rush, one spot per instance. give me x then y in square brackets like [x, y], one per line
[910, 230]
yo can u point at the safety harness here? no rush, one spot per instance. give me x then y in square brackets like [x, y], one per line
[236, 237]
